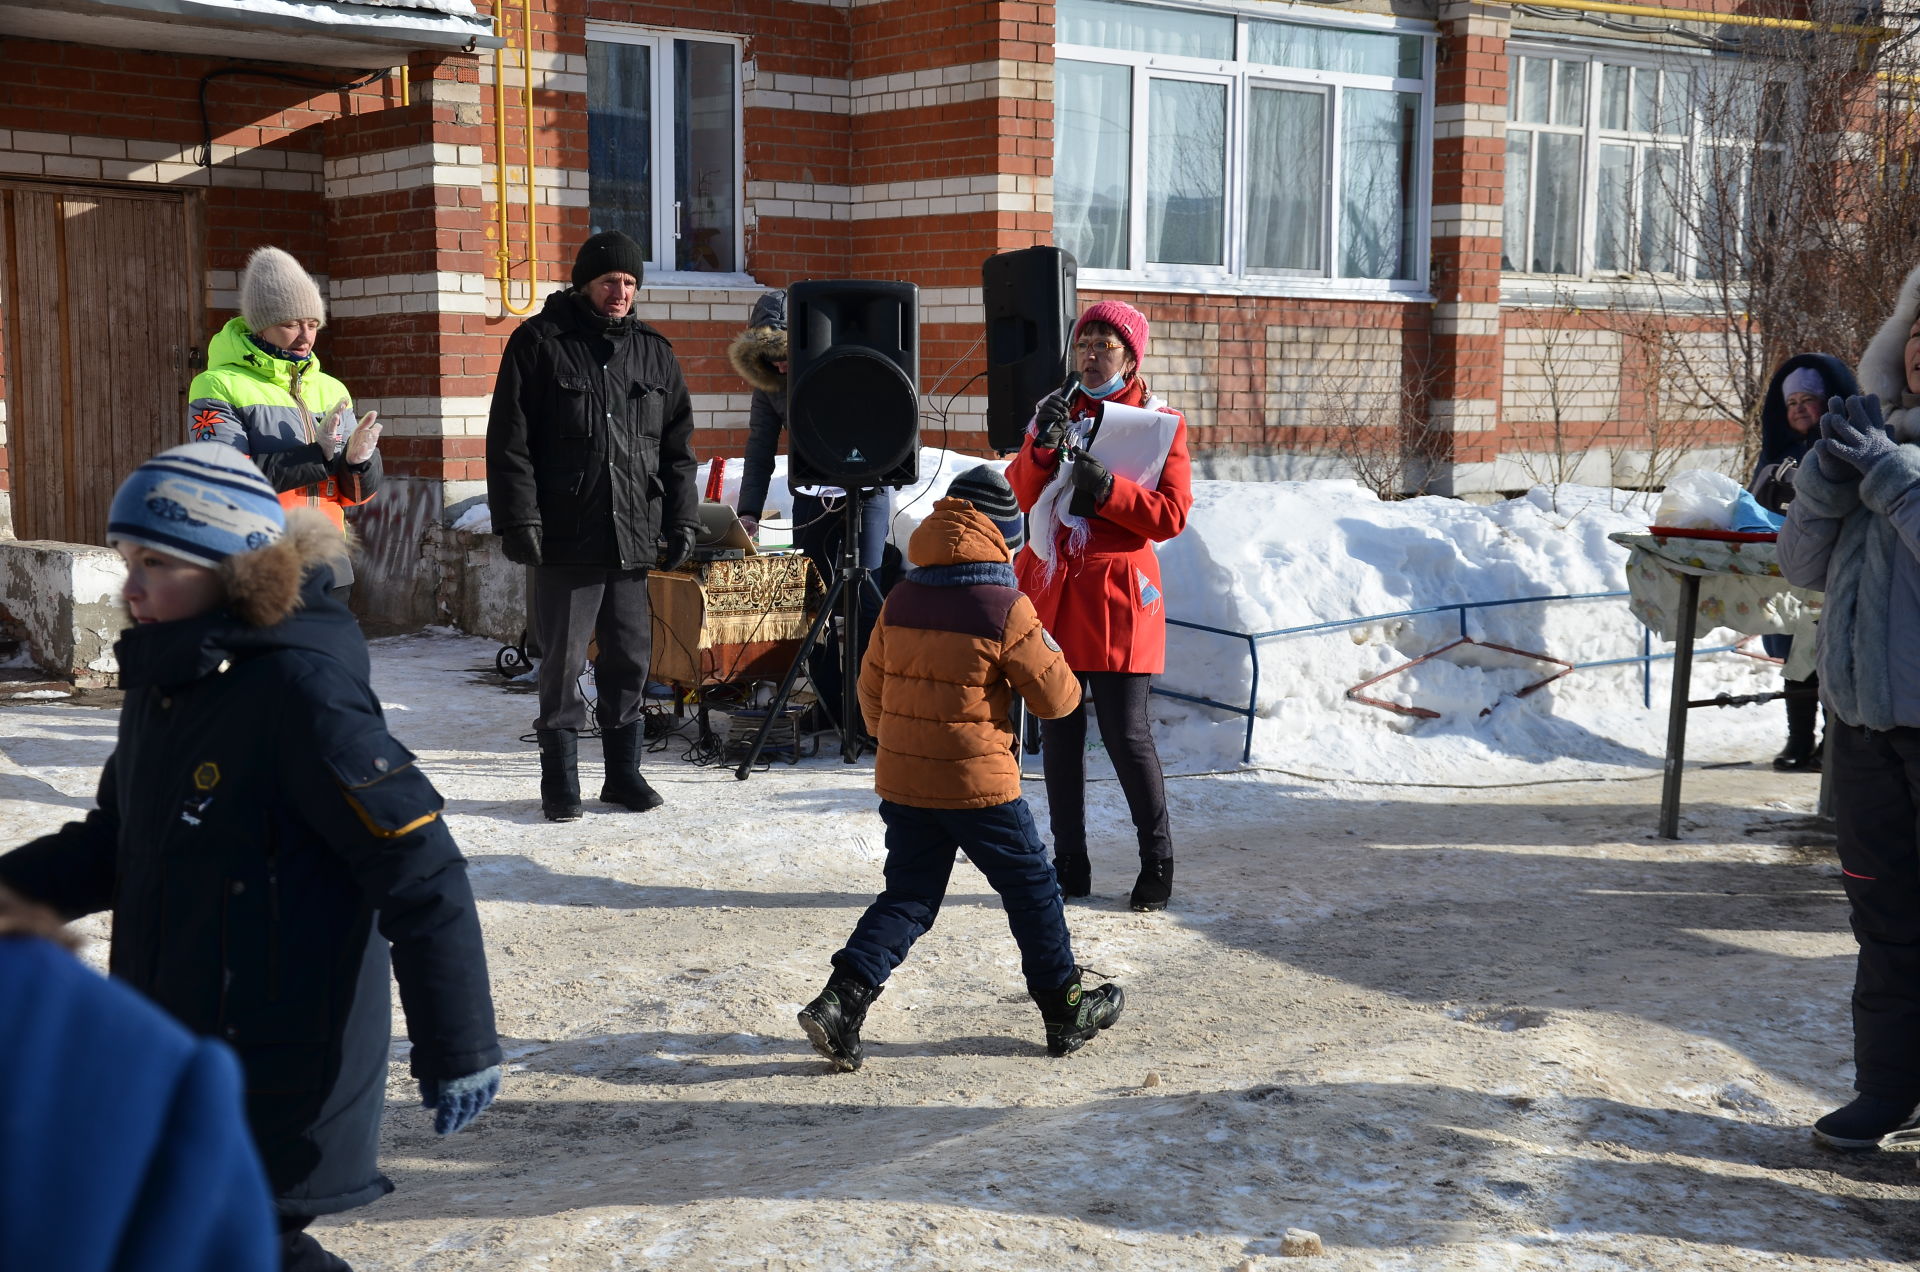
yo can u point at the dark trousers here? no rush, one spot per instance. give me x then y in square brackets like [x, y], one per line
[1876, 798]
[1120, 703]
[821, 532]
[1005, 844]
[571, 604]
[299, 1252]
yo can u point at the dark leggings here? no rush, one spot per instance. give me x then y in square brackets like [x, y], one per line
[1120, 702]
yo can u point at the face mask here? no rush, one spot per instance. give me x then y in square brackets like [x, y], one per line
[1108, 389]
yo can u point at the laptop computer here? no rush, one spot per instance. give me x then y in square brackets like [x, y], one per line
[722, 537]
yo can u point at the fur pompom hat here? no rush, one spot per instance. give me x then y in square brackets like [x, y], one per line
[206, 503]
[275, 289]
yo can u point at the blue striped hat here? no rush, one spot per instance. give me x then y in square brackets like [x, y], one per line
[202, 502]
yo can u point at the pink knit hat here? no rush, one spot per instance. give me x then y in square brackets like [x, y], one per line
[1129, 323]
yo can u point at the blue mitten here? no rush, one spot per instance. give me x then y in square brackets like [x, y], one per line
[1856, 438]
[458, 1101]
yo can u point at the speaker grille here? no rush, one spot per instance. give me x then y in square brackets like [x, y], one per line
[856, 419]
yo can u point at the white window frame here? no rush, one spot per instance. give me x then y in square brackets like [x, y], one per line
[661, 250]
[1242, 75]
[1694, 147]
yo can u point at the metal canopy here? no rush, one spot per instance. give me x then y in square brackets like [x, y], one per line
[363, 36]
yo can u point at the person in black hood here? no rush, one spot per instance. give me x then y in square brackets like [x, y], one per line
[265, 845]
[590, 479]
[759, 354]
[1789, 426]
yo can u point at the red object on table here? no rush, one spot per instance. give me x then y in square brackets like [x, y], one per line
[1725, 536]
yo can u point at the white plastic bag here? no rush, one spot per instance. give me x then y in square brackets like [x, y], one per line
[1698, 500]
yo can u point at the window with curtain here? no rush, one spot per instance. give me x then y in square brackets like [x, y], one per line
[1624, 168]
[1196, 146]
[663, 154]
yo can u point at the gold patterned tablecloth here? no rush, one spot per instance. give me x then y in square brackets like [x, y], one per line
[731, 620]
[1740, 589]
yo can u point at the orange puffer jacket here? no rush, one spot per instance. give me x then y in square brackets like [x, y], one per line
[955, 641]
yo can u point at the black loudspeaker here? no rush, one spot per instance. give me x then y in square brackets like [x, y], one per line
[853, 375]
[1030, 307]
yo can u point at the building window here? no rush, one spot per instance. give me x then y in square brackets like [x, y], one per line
[663, 156]
[1643, 168]
[1206, 147]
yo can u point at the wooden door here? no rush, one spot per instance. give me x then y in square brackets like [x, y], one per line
[103, 295]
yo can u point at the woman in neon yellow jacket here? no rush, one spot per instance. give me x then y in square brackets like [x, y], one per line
[263, 391]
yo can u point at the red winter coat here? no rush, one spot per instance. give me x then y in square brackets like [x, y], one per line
[1104, 605]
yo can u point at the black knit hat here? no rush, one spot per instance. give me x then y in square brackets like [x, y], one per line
[984, 488]
[609, 252]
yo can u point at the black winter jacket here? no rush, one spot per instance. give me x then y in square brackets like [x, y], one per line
[590, 438]
[753, 354]
[261, 839]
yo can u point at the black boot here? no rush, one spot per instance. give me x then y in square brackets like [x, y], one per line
[1800, 755]
[1871, 1121]
[833, 1020]
[1075, 873]
[1074, 1015]
[1154, 888]
[559, 774]
[624, 785]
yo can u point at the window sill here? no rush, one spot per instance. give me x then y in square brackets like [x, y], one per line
[1296, 288]
[692, 280]
[1542, 291]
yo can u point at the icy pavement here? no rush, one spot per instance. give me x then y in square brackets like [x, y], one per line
[1499, 1028]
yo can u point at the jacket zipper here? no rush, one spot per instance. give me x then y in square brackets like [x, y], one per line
[273, 918]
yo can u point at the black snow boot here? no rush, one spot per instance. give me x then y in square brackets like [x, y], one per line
[833, 1020]
[1074, 1015]
[1075, 873]
[1800, 755]
[1871, 1121]
[1154, 888]
[559, 774]
[624, 785]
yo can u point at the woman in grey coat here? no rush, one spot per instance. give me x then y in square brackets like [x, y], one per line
[1853, 532]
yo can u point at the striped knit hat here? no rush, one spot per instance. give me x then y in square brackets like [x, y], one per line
[202, 502]
[987, 490]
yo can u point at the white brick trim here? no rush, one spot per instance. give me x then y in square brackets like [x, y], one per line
[1468, 220]
[430, 416]
[1463, 415]
[432, 164]
[946, 196]
[442, 292]
[80, 157]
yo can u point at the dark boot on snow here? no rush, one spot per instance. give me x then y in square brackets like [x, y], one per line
[624, 785]
[1154, 888]
[1800, 755]
[559, 774]
[1074, 1015]
[1871, 1121]
[833, 1020]
[1075, 873]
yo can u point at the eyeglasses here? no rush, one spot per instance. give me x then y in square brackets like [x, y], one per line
[1106, 345]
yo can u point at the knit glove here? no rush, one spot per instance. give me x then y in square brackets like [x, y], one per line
[1052, 419]
[1092, 483]
[1853, 438]
[521, 544]
[457, 1101]
[677, 546]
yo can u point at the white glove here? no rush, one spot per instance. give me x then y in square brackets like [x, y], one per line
[365, 437]
[333, 429]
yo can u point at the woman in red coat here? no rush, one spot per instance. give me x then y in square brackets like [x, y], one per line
[1090, 569]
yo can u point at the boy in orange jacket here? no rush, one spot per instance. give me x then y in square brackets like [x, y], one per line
[954, 642]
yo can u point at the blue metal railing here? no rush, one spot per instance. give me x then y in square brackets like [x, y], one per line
[1646, 657]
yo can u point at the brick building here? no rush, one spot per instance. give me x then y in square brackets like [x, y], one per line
[1312, 203]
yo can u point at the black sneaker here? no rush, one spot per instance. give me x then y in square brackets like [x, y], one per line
[1870, 1122]
[1074, 1015]
[833, 1020]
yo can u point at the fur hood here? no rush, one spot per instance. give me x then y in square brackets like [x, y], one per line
[764, 342]
[1881, 367]
[263, 587]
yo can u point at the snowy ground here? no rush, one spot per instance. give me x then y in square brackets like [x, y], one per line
[1494, 1024]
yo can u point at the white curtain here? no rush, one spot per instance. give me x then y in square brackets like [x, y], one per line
[1093, 162]
[1286, 179]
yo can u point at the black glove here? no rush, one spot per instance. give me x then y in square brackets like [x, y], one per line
[1092, 483]
[521, 544]
[1774, 490]
[1053, 417]
[677, 546]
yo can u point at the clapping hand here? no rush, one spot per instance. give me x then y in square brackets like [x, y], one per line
[1853, 438]
[366, 436]
[333, 430]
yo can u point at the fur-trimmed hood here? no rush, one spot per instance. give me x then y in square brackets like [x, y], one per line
[1778, 441]
[263, 587]
[1882, 367]
[764, 343]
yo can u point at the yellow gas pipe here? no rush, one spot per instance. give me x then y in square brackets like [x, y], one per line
[502, 255]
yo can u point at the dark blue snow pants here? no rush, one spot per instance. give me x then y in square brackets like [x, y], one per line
[1005, 844]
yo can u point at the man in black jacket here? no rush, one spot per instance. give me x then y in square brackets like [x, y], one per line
[590, 478]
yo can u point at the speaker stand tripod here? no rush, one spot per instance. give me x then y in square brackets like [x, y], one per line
[842, 602]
